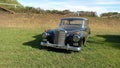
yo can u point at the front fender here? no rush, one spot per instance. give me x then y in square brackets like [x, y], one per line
[51, 36]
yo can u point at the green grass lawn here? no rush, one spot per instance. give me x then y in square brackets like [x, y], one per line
[20, 48]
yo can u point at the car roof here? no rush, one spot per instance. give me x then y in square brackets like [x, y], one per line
[74, 18]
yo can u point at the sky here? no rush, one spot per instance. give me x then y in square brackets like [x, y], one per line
[99, 6]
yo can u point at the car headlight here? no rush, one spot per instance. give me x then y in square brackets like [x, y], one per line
[44, 35]
[76, 38]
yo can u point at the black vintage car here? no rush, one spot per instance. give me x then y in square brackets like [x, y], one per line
[71, 34]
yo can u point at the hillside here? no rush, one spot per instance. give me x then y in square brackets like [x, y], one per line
[9, 1]
[10, 4]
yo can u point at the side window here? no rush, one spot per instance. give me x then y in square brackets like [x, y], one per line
[86, 23]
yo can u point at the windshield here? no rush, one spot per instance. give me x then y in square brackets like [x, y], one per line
[71, 22]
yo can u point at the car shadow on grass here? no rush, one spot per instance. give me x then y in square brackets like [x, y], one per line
[114, 40]
[95, 40]
[36, 44]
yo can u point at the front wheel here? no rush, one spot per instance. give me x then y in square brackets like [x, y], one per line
[81, 43]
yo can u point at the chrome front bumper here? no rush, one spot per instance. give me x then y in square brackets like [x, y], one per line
[67, 47]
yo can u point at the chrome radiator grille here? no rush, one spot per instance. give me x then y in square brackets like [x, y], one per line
[60, 37]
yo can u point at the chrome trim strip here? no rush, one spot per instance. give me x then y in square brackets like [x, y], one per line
[61, 47]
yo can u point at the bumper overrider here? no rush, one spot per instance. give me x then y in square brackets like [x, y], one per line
[67, 47]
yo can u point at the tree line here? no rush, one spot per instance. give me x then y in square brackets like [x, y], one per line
[110, 14]
[27, 9]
